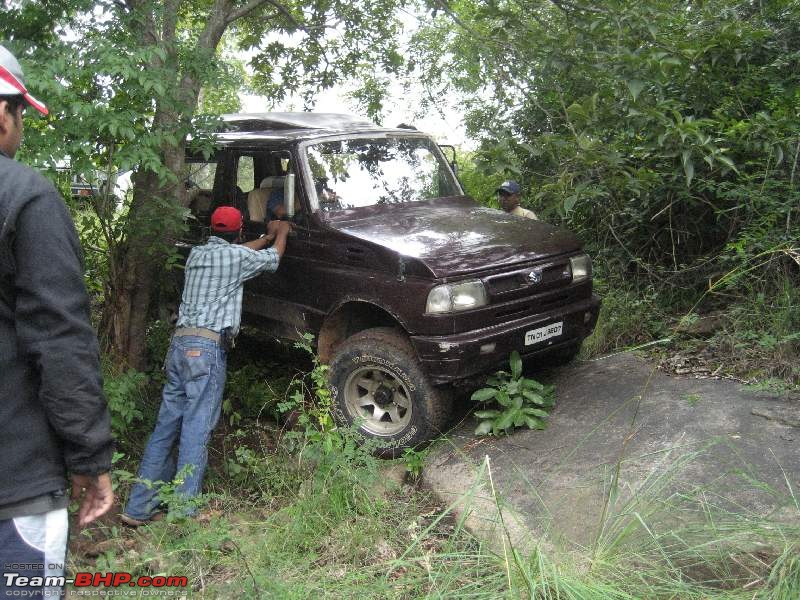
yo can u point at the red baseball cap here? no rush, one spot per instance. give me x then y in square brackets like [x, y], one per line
[226, 219]
[12, 82]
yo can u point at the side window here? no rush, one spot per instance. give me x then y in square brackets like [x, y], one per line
[261, 176]
[201, 175]
[200, 186]
[245, 173]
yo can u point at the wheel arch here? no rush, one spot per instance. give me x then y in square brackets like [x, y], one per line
[349, 318]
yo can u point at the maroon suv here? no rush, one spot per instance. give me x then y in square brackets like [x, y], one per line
[406, 284]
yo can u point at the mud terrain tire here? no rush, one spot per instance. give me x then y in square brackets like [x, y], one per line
[378, 384]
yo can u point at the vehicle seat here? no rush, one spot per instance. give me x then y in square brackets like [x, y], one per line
[257, 199]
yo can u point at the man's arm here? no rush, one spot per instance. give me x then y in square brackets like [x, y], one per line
[273, 228]
[260, 243]
[280, 229]
[55, 334]
[267, 260]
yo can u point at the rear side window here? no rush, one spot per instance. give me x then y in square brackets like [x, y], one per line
[245, 173]
[201, 175]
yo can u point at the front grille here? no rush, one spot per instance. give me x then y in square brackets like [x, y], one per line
[532, 306]
[515, 295]
[518, 284]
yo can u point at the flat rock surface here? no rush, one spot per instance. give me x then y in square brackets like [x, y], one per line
[661, 438]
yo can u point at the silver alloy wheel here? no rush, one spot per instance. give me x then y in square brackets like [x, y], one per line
[377, 400]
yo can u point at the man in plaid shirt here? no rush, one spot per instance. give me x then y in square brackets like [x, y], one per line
[210, 314]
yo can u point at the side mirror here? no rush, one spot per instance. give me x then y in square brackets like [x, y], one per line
[288, 194]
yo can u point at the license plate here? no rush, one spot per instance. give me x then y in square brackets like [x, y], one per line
[534, 336]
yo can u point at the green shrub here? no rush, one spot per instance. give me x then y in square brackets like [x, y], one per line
[254, 391]
[521, 401]
[125, 392]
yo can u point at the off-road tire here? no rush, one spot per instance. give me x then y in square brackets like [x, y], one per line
[372, 375]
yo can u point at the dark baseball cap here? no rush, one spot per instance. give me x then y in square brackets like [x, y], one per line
[226, 219]
[12, 81]
[510, 187]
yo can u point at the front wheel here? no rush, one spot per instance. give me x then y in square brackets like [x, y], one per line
[379, 387]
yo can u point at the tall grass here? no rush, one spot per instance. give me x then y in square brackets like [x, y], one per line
[336, 529]
[664, 539]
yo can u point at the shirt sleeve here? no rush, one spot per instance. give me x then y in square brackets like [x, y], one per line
[254, 262]
[55, 332]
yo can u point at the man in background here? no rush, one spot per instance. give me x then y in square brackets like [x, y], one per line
[53, 415]
[208, 319]
[509, 194]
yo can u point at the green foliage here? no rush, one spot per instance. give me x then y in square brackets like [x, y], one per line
[478, 181]
[124, 392]
[253, 391]
[521, 401]
[414, 460]
[692, 399]
[310, 400]
[666, 136]
[784, 580]
[628, 316]
[158, 338]
[311, 397]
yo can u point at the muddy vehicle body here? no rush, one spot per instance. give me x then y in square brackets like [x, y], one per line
[407, 285]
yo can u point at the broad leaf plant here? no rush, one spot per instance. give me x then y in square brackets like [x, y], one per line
[520, 401]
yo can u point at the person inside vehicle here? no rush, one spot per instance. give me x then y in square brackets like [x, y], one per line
[328, 199]
[509, 194]
[276, 211]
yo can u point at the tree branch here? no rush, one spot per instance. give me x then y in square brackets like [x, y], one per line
[254, 4]
[571, 6]
[170, 22]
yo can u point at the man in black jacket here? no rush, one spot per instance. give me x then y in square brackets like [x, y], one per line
[53, 415]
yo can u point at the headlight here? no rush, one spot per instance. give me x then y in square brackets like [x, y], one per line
[453, 297]
[581, 267]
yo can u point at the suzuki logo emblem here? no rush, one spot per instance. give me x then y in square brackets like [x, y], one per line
[535, 276]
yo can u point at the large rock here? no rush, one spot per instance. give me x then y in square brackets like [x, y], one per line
[623, 440]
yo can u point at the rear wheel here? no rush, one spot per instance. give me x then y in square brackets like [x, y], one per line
[379, 386]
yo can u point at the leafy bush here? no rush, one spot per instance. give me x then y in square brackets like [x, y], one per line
[521, 401]
[124, 392]
[252, 392]
[664, 136]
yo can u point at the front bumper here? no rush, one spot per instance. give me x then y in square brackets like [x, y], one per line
[453, 357]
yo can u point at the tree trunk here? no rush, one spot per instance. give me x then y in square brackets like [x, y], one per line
[140, 262]
[137, 265]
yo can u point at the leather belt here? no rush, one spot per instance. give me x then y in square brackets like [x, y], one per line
[199, 332]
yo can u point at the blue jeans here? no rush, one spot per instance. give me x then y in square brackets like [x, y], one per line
[190, 408]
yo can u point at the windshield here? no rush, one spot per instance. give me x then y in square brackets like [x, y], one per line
[363, 172]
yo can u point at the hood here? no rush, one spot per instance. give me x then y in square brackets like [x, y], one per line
[452, 236]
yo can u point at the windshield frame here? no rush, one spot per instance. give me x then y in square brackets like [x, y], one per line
[308, 179]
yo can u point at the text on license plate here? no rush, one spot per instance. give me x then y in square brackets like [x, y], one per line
[534, 336]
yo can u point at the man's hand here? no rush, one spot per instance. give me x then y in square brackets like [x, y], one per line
[275, 228]
[280, 229]
[97, 493]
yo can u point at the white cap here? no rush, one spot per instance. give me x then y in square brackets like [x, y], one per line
[12, 82]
